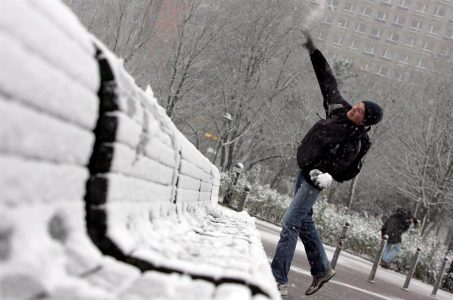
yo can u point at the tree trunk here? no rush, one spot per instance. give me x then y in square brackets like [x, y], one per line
[417, 207]
[424, 224]
[222, 158]
[332, 193]
[276, 178]
[223, 154]
[352, 191]
[229, 162]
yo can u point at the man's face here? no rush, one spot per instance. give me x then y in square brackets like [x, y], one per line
[357, 113]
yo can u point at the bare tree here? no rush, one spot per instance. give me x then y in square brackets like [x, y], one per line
[423, 156]
[127, 27]
[196, 30]
[253, 70]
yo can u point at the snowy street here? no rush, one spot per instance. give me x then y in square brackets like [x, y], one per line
[350, 282]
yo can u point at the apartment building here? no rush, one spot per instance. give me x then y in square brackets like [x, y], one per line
[401, 40]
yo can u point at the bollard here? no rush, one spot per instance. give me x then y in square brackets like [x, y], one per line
[340, 241]
[414, 262]
[244, 196]
[439, 277]
[378, 259]
[237, 170]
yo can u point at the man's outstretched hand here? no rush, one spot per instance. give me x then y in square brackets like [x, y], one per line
[309, 45]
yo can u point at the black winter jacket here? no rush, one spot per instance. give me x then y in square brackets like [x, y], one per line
[334, 145]
[394, 227]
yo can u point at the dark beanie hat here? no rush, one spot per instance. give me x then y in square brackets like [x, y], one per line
[373, 113]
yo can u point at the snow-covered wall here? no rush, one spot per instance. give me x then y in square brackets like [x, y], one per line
[101, 196]
[142, 167]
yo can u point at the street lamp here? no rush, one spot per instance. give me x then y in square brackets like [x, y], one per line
[237, 171]
[227, 119]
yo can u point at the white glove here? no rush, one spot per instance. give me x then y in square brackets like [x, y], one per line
[320, 180]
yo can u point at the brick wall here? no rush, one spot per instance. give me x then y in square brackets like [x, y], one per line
[94, 176]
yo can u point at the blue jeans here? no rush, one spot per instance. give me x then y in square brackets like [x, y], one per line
[390, 252]
[298, 222]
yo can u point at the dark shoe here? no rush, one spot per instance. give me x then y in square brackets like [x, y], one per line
[385, 265]
[283, 289]
[318, 282]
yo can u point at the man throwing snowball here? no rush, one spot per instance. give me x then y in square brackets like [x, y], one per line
[332, 148]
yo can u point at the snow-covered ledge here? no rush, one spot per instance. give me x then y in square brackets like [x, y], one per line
[102, 197]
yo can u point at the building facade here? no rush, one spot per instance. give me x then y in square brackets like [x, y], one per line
[401, 40]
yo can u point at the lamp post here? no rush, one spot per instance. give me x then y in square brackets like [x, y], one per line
[226, 121]
[237, 170]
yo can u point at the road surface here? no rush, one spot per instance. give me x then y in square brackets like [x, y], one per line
[351, 280]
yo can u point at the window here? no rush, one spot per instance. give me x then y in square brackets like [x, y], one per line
[404, 59]
[387, 1]
[387, 54]
[427, 46]
[382, 71]
[319, 36]
[393, 37]
[381, 16]
[333, 3]
[405, 4]
[444, 51]
[434, 29]
[338, 40]
[370, 50]
[420, 64]
[416, 25]
[366, 11]
[360, 28]
[439, 11]
[354, 45]
[328, 19]
[421, 7]
[449, 34]
[410, 41]
[332, 57]
[399, 20]
[375, 33]
[349, 7]
[343, 23]
[399, 75]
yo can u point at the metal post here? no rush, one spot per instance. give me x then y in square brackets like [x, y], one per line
[378, 259]
[238, 169]
[412, 269]
[340, 241]
[244, 196]
[439, 276]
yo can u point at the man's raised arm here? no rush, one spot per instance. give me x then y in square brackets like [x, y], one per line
[326, 80]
